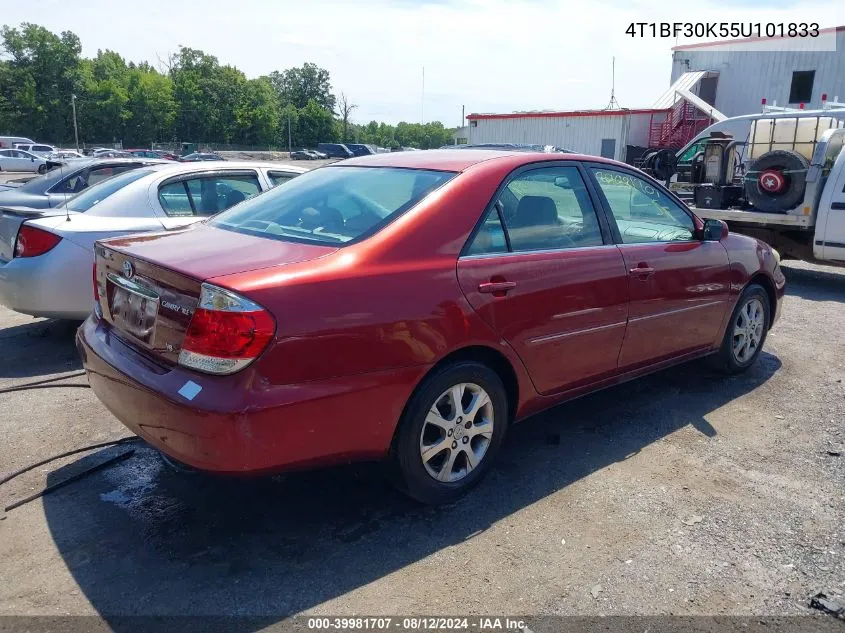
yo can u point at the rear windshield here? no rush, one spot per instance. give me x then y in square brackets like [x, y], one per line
[97, 193]
[333, 205]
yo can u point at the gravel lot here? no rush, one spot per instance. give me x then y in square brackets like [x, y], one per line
[682, 493]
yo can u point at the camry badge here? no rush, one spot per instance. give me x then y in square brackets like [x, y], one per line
[128, 269]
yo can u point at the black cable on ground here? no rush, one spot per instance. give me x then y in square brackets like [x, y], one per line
[29, 385]
[25, 469]
[71, 479]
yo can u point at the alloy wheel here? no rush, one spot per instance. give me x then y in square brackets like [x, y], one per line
[748, 329]
[457, 432]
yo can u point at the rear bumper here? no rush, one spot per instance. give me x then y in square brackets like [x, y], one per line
[239, 423]
[780, 291]
[56, 284]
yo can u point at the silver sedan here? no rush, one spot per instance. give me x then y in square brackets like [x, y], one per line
[45, 267]
[21, 160]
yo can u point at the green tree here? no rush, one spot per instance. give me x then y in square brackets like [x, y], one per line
[315, 125]
[299, 86]
[152, 106]
[39, 77]
[102, 105]
[257, 114]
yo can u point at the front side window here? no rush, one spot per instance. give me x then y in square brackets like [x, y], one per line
[208, 195]
[333, 205]
[642, 212]
[546, 208]
[692, 151]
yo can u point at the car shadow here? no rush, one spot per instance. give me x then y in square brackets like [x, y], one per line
[39, 348]
[140, 538]
[814, 284]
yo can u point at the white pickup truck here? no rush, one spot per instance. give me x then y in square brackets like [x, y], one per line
[803, 198]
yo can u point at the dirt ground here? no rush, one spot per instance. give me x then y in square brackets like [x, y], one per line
[681, 493]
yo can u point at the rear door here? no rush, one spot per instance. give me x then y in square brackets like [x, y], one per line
[542, 271]
[23, 161]
[678, 284]
[186, 199]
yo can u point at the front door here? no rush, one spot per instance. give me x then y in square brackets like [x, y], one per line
[678, 284]
[830, 231]
[545, 276]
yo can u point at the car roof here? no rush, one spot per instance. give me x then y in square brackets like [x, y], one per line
[175, 169]
[42, 183]
[459, 160]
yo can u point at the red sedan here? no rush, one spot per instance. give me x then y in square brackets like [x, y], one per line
[411, 306]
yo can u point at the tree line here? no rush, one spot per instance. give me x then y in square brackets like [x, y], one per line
[187, 97]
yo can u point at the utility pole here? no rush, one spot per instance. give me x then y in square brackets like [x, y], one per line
[463, 116]
[288, 134]
[422, 100]
[75, 129]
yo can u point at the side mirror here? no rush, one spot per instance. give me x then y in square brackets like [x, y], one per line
[714, 230]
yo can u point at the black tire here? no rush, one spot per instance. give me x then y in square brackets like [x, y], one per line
[664, 164]
[794, 167]
[409, 473]
[42, 169]
[726, 360]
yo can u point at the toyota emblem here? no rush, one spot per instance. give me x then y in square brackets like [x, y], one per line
[128, 269]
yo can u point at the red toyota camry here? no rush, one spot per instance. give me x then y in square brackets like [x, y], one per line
[411, 306]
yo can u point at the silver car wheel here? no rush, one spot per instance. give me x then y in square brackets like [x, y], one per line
[457, 432]
[748, 330]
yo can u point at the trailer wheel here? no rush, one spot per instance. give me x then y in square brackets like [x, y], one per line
[776, 181]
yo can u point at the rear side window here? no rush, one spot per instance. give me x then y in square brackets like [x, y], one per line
[279, 177]
[543, 209]
[204, 196]
[96, 194]
[100, 174]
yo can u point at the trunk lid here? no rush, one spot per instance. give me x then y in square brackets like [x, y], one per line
[149, 284]
[11, 219]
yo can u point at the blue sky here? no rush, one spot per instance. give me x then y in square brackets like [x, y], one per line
[489, 55]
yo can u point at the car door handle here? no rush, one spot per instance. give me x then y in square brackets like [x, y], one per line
[642, 270]
[493, 287]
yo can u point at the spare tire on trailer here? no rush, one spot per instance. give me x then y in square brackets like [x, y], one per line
[660, 163]
[775, 182]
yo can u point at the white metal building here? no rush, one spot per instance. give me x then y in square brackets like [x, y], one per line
[598, 132]
[735, 75]
[709, 82]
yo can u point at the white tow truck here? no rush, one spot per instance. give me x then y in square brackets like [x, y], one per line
[782, 182]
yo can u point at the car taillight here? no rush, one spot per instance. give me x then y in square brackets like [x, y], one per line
[226, 333]
[98, 311]
[32, 242]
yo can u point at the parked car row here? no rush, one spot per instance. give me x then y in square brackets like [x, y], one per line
[307, 154]
[407, 306]
[46, 246]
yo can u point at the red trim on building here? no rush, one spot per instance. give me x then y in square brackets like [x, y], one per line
[564, 115]
[687, 47]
